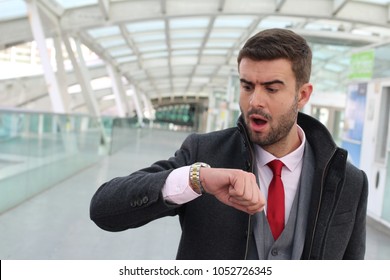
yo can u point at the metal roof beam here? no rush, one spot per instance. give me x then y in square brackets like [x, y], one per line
[132, 45]
[49, 12]
[338, 5]
[221, 5]
[279, 5]
[105, 8]
[201, 49]
[163, 7]
[53, 7]
[230, 54]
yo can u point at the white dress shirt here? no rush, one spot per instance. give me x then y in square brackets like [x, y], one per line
[177, 187]
[178, 190]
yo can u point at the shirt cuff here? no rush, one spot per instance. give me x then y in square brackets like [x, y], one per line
[177, 189]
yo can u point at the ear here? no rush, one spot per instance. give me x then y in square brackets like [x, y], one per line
[304, 94]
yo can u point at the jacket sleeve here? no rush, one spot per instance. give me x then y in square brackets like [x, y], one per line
[357, 246]
[134, 200]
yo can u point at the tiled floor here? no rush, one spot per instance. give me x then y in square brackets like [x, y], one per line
[55, 224]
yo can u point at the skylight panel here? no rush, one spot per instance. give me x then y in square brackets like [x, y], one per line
[127, 59]
[10, 9]
[187, 35]
[145, 26]
[120, 52]
[112, 43]
[146, 37]
[154, 55]
[104, 32]
[185, 23]
[185, 45]
[233, 21]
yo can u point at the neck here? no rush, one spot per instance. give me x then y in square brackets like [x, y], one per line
[285, 145]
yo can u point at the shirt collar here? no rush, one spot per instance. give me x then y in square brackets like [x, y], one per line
[290, 160]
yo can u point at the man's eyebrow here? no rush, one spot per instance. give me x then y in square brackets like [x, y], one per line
[272, 82]
[246, 82]
[264, 83]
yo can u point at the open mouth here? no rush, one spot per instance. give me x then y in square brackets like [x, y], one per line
[257, 122]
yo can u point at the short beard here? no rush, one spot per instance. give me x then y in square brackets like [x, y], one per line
[276, 134]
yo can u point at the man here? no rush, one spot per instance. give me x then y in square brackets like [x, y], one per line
[232, 210]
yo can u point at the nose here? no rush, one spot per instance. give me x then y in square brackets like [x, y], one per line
[257, 98]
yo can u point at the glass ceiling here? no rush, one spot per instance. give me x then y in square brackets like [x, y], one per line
[10, 9]
[170, 48]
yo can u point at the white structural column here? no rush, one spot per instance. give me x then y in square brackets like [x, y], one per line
[134, 95]
[81, 72]
[56, 98]
[229, 100]
[119, 92]
[388, 12]
[149, 110]
[61, 73]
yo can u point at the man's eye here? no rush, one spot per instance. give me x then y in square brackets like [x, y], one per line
[246, 87]
[272, 90]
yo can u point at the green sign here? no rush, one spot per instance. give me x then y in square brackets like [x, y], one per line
[362, 65]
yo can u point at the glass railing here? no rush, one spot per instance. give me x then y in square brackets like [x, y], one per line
[123, 132]
[38, 150]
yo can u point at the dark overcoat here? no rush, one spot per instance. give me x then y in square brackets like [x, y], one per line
[336, 227]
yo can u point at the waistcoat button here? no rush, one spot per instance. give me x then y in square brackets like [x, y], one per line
[274, 252]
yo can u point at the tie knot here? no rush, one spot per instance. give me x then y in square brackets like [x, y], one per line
[276, 166]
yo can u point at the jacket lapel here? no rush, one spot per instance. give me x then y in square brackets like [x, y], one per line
[304, 192]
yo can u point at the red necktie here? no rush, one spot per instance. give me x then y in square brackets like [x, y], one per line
[275, 204]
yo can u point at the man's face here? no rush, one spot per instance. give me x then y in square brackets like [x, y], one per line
[269, 102]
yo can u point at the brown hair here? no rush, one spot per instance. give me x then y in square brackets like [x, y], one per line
[278, 43]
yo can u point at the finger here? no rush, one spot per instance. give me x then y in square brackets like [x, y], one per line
[241, 202]
[256, 207]
[238, 187]
[253, 205]
[246, 192]
[242, 190]
[256, 204]
[232, 203]
[242, 208]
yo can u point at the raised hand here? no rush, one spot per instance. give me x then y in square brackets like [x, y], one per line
[233, 187]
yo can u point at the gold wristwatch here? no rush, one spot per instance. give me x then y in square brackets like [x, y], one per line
[195, 177]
